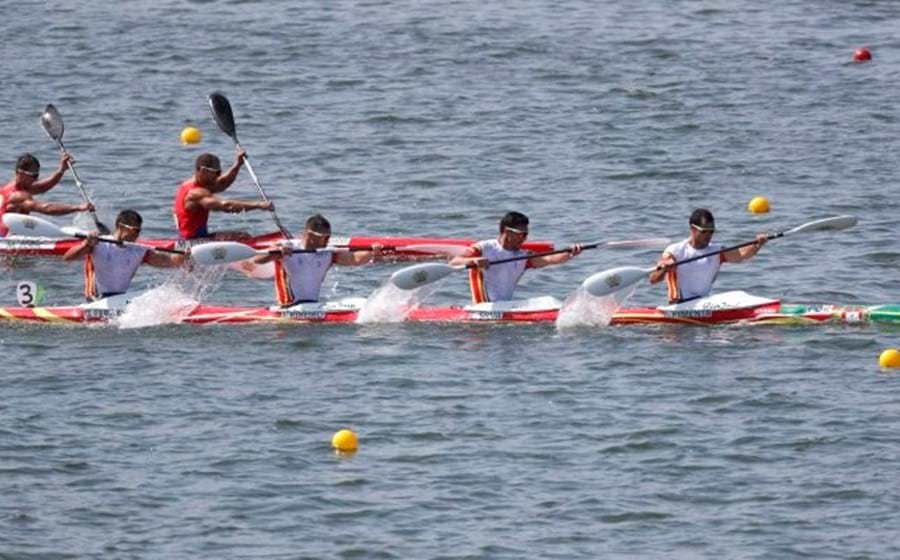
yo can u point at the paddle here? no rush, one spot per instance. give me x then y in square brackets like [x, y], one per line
[22, 224]
[221, 110]
[225, 252]
[52, 123]
[615, 279]
[418, 275]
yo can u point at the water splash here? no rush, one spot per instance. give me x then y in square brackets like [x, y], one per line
[158, 306]
[581, 309]
[172, 301]
[389, 304]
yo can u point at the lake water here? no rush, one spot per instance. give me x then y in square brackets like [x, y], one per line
[599, 120]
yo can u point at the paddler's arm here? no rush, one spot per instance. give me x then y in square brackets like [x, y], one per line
[744, 253]
[357, 258]
[472, 255]
[86, 247]
[217, 204]
[662, 266]
[286, 250]
[54, 208]
[550, 260]
[44, 185]
[225, 179]
[164, 260]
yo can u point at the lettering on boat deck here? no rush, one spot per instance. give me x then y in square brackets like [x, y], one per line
[102, 314]
[303, 315]
[485, 315]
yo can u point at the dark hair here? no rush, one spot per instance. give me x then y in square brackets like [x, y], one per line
[28, 162]
[207, 160]
[702, 217]
[318, 223]
[129, 218]
[515, 220]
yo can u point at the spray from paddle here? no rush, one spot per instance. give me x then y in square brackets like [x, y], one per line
[390, 304]
[581, 309]
[172, 301]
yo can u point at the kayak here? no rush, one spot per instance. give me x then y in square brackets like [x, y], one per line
[734, 307]
[395, 246]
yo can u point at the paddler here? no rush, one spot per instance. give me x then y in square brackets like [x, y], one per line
[299, 275]
[17, 195]
[497, 282]
[109, 268]
[695, 279]
[198, 196]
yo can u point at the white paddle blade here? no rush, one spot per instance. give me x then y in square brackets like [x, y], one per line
[614, 279]
[29, 226]
[52, 122]
[834, 223]
[412, 277]
[649, 243]
[221, 252]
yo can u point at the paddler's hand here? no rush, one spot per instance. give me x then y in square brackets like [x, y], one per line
[267, 205]
[761, 240]
[665, 262]
[91, 239]
[482, 262]
[85, 207]
[65, 161]
[575, 250]
[287, 249]
[376, 251]
[240, 156]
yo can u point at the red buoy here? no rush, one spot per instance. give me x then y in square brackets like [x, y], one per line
[862, 55]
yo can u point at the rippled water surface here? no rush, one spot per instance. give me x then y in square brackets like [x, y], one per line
[600, 120]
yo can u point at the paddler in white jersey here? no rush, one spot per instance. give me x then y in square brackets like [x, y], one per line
[497, 282]
[109, 268]
[695, 280]
[299, 275]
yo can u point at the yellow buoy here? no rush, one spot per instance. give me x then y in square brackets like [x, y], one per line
[759, 205]
[345, 440]
[890, 358]
[191, 135]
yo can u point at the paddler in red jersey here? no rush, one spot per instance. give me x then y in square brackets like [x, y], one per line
[198, 196]
[497, 282]
[695, 279]
[17, 195]
[108, 267]
[299, 275]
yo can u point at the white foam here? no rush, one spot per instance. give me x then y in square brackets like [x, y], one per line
[159, 306]
[389, 304]
[581, 309]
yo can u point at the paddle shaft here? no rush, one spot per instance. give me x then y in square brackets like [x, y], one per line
[719, 252]
[80, 185]
[132, 244]
[537, 255]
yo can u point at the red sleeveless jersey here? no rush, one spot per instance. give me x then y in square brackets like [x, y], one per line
[190, 224]
[5, 192]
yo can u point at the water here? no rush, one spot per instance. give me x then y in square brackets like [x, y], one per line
[600, 121]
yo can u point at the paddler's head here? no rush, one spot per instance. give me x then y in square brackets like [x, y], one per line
[27, 170]
[702, 225]
[513, 230]
[316, 233]
[128, 225]
[207, 169]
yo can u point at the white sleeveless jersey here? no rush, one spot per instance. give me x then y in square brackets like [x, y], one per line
[498, 282]
[114, 267]
[694, 279]
[305, 274]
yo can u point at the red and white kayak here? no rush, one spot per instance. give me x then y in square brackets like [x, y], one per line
[394, 246]
[721, 309]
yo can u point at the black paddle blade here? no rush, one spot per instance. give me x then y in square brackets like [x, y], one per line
[52, 122]
[221, 110]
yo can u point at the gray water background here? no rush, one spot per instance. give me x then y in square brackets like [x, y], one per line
[600, 120]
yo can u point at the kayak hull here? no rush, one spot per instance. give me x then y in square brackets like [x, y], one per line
[537, 310]
[406, 246]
